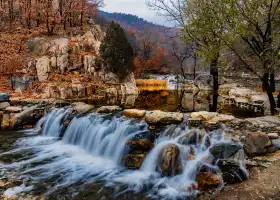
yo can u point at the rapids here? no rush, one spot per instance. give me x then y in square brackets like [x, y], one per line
[92, 148]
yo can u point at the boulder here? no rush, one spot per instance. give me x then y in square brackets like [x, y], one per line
[43, 68]
[82, 108]
[4, 105]
[256, 143]
[204, 115]
[158, 117]
[195, 137]
[134, 113]
[108, 109]
[140, 144]
[206, 180]
[133, 161]
[169, 161]
[4, 97]
[13, 109]
[231, 170]
[225, 150]
[26, 116]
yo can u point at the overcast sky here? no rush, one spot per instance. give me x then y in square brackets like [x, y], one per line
[135, 7]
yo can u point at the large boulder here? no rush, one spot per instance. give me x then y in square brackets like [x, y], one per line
[256, 144]
[158, 117]
[203, 82]
[228, 157]
[108, 109]
[169, 161]
[82, 108]
[134, 113]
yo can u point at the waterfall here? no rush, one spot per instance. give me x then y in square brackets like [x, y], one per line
[101, 137]
[92, 148]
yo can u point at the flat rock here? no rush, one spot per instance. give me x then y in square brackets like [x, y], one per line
[13, 109]
[108, 109]
[82, 108]
[134, 113]
[4, 105]
[204, 115]
[164, 118]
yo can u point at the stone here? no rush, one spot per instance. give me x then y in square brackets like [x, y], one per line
[4, 105]
[133, 161]
[43, 68]
[62, 104]
[4, 97]
[134, 113]
[195, 137]
[140, 144]
[206, 180]
[276, 143]
[5, 121]
[204, 115]
[194, 122]
[26, 116]
[169, 161]
[225, 150]
[231, 170]
[256, 144]
[108, 109]
[82, 108]
[158, 117]
[272, 136]
[13, 109]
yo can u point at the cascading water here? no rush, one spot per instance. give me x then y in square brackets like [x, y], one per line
[92, 148]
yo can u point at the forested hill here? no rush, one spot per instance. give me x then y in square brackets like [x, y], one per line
[129, 21]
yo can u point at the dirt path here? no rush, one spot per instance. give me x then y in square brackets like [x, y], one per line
[265, 185]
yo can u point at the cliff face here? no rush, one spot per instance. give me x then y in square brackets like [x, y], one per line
[68, 67]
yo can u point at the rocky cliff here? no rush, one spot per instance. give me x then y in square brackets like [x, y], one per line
[69, 67]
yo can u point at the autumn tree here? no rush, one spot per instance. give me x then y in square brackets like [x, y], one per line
[116, 51]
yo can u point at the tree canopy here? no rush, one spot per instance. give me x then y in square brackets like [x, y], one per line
[116, 51]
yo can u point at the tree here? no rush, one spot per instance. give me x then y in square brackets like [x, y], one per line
[195, 30]
[116, 52]
[253, 25]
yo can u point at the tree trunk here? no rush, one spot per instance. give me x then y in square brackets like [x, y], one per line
[215, 76]
[194, 67]
[182, 69]
[269, 92]
[272, 81]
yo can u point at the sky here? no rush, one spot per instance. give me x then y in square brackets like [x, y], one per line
[135, 7]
